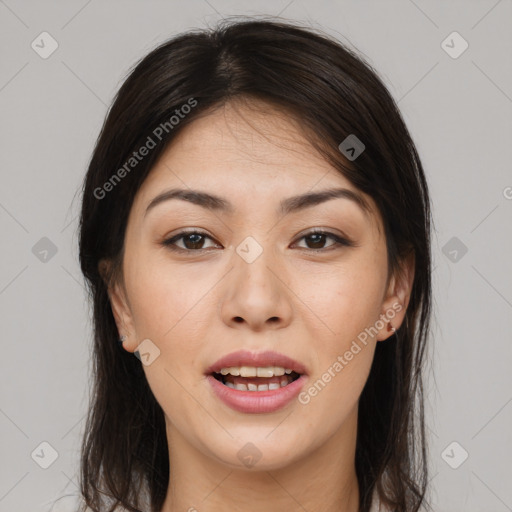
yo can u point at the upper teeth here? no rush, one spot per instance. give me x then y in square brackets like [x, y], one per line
[253, 371]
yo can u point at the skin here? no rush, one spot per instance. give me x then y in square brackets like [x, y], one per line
[187, 304]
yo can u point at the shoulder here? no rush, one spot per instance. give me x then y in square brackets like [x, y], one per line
[377, 506]
[75, 503]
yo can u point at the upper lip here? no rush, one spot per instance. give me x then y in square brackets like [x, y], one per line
[258, 359]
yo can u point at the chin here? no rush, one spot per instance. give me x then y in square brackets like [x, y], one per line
[255, 450]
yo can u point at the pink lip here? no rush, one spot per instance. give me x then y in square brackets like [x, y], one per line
[246, 358]
[256, 401]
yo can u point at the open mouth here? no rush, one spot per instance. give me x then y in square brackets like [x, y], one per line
[268, 383]
[256, 383]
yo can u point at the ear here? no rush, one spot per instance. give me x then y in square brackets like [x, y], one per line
[119, 305]
[397, 298]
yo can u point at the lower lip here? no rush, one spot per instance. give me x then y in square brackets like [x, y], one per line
[254, 402]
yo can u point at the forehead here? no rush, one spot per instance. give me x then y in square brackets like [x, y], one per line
[244, 136]
[244, 152]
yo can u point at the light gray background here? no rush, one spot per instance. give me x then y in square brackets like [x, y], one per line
[459, 114]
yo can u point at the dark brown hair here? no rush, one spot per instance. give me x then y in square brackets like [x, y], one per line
[334, 93]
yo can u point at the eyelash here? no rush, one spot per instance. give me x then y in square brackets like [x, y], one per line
[339, 241]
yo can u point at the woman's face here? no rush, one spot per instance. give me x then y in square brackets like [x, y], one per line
[256, 279]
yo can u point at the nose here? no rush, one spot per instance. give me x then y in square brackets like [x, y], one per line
[256, 297]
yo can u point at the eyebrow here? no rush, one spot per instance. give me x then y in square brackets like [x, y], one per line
[289, 205]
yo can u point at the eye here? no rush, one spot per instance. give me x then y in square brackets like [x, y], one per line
[317, 238]
[192, 240]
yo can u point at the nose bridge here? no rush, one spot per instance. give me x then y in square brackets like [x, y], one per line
[255, 294]
[254, 271]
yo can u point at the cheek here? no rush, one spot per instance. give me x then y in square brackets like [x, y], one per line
[170, 307]
[347, 302]
[346, 298]
[174, 306]
[332, 396]
[348, 306]
[168, 299]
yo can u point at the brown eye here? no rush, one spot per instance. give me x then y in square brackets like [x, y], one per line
[192, 241]
[316, 240]
[195, 240]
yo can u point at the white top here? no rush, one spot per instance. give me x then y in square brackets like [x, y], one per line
[376, 505]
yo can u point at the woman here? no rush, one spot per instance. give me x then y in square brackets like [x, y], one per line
[255, 230]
